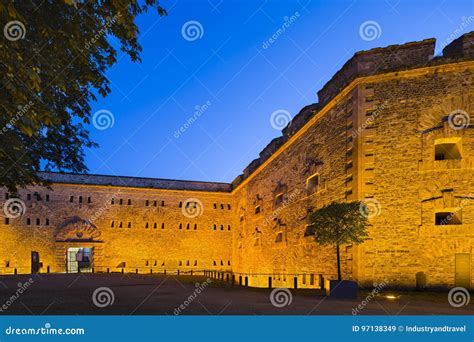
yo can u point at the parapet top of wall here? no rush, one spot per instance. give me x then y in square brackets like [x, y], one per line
[135, 182]
[463, 47]
[378, 60]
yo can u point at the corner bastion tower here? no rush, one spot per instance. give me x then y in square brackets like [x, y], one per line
[394, 128]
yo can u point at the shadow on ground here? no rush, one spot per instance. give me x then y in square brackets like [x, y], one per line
[71, 294]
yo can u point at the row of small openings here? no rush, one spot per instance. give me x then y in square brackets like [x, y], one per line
[121, 201]
[222, 263]
[120, 224]
[29, 197]
[37, 222]
[189, 204]
[155, 263]
[80, 199]
[188, 226]
[221, 227]
[28, 222]
[154, 203]
[155, 225]
[222, 206]
[181, 263]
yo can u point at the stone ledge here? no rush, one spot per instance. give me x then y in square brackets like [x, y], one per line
[136, 182]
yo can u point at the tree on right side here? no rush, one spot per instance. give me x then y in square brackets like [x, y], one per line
[338, 224]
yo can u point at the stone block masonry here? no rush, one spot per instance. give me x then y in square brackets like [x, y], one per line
[393, 128]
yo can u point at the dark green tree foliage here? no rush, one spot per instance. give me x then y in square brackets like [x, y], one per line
[53, 59]
[337, 224]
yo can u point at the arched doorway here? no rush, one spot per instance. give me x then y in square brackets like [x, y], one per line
[78, 246]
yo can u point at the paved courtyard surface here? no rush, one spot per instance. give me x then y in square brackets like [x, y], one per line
[71, 294]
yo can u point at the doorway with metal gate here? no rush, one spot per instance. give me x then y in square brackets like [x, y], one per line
[79, 260]
[463, 270]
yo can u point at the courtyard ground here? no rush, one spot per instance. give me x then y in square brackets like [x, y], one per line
[71, 294]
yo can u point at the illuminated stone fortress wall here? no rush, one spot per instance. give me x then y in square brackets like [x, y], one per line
[391, 129]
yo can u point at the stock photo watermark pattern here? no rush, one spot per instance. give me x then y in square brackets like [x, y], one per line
[22, 287]
[14, 208]
[14, 30]
[103, 119]
[103, 297]
[192, 208]
[199, 110]
[192, 30]
[287, 22]
[281, 297]
[355, 191]
[370, 208]
[280, 118]
[200, 287]
[459, 119]
[370, 30]
[459, 297]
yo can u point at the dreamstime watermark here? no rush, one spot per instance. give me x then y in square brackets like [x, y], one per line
[103, 119]
[199, 110]
[192, 30]
[280, 118]
[458, 119]
[109, 22]
[22, 110]
[465, 22]
[102, 297]
[281, 297]
[370, 120]
[370, 30]
[458, 297]
[377, 288]
[14, 30]
[461, 206]
[46, 330]
[22, 287]
[192, 208]
[200, 287]
[14, 208]
[286, 202]
[104, 207]
[370, 208]
[287, 21]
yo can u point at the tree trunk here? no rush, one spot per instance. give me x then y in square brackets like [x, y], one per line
[338, 263]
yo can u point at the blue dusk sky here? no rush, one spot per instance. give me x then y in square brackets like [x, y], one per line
[214, 65]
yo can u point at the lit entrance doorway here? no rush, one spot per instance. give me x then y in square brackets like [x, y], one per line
[79, 260]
